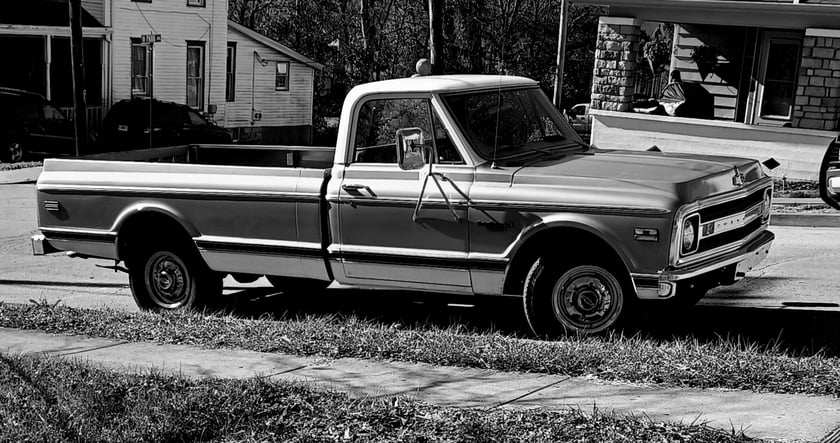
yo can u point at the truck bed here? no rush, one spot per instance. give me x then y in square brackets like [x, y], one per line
[233, 200]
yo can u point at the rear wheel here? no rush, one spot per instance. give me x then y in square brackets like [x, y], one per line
[169, 278]
[573, 298]
[297, 285]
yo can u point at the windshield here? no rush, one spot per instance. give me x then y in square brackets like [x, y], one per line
[509, 123]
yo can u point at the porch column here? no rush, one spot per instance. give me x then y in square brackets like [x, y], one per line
[817, 103]
[616, 55]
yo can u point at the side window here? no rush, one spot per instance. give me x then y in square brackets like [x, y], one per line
[378, 123]
[196, 119]
[446, 151]
[52, 113]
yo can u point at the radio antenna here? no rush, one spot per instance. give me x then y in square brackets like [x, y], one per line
[498, 113]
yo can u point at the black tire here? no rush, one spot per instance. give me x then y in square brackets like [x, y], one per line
[578, 298]
[168, 278]
[297, 285]
[13, 151]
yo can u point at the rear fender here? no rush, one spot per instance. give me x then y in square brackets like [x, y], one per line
[151, 207]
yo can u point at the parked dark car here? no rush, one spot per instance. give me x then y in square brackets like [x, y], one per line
[31, 127]
[126, 126]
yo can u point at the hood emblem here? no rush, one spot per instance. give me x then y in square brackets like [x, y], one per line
[738, 179]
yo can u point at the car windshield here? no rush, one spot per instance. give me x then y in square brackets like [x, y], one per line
[510, 123]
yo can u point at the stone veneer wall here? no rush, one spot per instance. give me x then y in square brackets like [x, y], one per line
[817, 103]
[616, 55]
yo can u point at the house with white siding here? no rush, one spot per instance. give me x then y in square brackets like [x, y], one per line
[187, 51]
[270, 89]
[184, 51]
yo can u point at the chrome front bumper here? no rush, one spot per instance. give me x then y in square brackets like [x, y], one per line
[744, 259]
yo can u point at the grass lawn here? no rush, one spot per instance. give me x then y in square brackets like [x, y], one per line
[20, 165]
[721, 363]
[50, 399]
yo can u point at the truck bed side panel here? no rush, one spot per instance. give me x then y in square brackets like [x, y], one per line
[243, 219]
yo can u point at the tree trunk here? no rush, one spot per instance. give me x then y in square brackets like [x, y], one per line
[436, 36]
[78, 60]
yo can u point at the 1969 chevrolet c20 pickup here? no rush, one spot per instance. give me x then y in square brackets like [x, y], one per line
[471, 185]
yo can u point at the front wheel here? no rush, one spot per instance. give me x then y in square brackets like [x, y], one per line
[168, 278]
[572, 298]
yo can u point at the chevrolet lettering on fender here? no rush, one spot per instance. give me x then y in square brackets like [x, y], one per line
[464, 185]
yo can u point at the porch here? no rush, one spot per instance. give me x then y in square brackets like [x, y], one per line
[35, 45]
[771, 69]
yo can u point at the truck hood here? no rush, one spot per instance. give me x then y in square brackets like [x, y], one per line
[687, 177]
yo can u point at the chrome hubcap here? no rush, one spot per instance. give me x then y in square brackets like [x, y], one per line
[586, 298]
[168, 280]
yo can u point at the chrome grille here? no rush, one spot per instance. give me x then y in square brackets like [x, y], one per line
[726, 225]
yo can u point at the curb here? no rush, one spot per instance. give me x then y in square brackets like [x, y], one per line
[805, 220]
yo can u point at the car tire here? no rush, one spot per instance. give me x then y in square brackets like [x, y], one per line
[13, 151]
[173, 277]
[574, 297]
[297, 285]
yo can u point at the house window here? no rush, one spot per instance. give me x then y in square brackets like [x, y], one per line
[195, 74]
[281, 80]
[778, 76]
[140, 68]
[200, 3]
[230, 73]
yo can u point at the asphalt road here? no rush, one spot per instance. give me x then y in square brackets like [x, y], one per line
[794, 289]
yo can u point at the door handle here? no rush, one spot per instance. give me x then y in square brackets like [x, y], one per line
[353, 187]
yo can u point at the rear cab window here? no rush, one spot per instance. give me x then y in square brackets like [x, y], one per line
[379, 120]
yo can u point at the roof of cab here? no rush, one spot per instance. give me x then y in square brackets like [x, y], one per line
[443, 83]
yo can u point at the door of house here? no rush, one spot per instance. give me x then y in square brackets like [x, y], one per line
[777, 77]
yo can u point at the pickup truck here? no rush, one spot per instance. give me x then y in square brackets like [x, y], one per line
[465, 184]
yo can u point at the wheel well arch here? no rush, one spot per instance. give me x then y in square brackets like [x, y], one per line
[134, 230]
[551, 239]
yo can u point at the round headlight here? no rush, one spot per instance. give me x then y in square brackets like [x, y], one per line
[689, 236]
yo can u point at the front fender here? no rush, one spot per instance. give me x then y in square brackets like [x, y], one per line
[583, 222]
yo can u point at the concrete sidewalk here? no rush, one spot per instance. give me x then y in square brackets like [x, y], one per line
[771, 416]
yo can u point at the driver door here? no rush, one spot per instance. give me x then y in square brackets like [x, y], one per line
[381, 242]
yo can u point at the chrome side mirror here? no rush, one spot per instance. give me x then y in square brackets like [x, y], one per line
[411, 149]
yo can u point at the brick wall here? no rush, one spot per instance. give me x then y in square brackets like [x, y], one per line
[817, 102]
[616, 55]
